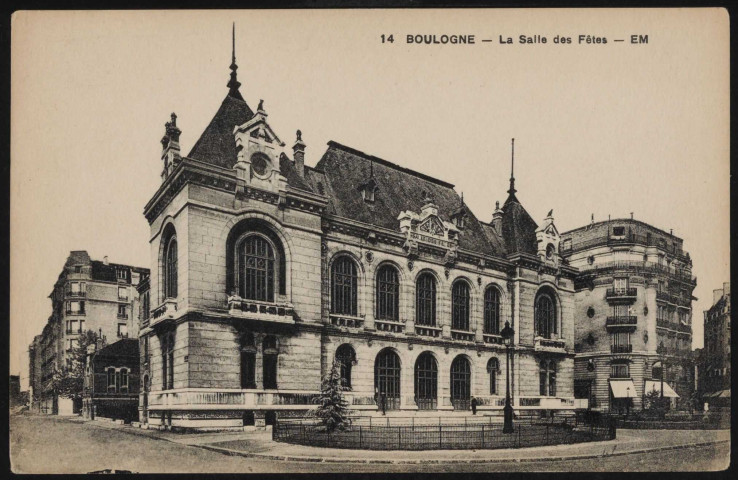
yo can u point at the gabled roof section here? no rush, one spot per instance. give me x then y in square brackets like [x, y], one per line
[126, 347]
[344, 169]
[518, 228]
[217, 145]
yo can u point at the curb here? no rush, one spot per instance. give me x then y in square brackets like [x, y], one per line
[314, 459]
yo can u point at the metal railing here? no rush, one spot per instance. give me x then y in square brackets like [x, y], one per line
[389, 326]
[621, 320]
[428, 331]
[613, 293]
[462, 335]
[621, 348]
[346, 320]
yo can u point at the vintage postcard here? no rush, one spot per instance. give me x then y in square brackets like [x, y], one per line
[421, 240]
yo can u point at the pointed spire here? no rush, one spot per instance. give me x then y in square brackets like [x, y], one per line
[233, 84]
[512, 190]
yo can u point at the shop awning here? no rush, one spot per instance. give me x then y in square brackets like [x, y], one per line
[718, 394]
[623, 388]
[655, 386]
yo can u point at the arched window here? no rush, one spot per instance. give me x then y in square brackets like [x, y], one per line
[346, 357]
[460, 383]
[545, 314]
[167, 361]
[493, 367]
[426, 382]
[111, 379]
[170, 268]
[387, 379]
[388, 293]
[548, 378]
[248, 360]
[270, 357]
[344, 287]
[460, 306]
[492, 311]
[425, 300]
[256, 262]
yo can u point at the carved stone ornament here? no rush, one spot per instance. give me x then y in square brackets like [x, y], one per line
[369, 257]
[369, 342]
[447, 272]
[445, 349]
[590, 365]
[409, 346]
[645, 337]
[410, 265]
[479, 281]
[591, 339]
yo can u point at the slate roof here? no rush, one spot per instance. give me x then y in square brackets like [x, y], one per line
[343, 169]
[217, 144]
[518, 228]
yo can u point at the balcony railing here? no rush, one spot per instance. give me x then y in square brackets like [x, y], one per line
[346, 321]
[279, 312]
[163, 311]
[462, 335]
[76, 294]
[225, 400]
[640, 267]
[389, 326]
[427, 331]
[123, 316]
[493, 339]
[75, 312]
[624, 239]
[621, 294]
[549, 345]
[622, 321]
[621, 348]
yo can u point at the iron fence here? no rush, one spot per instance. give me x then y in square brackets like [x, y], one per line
[476, 435]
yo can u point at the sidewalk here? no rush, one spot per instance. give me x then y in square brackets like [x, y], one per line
[260, 445]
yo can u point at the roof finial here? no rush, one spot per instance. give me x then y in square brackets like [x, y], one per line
[233, 84]
[371, 168]
[512, 171]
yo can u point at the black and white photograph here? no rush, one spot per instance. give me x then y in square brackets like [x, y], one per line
[370, 241]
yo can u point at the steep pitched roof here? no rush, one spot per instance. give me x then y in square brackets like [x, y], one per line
[217, 145]
[518, 228]
[344, 170]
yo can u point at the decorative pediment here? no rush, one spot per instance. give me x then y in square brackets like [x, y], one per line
[428, 228]
[548, 238]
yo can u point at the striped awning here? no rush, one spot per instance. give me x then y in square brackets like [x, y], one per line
[623, 388]
[655, 386]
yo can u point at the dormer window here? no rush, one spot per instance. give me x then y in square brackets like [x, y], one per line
[368, 190]
[618, 231]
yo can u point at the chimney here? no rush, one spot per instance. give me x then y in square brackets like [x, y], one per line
[497, 219]
[717, 294]
[170, 147]
[105, 260]
[299, 154]
[726, 288]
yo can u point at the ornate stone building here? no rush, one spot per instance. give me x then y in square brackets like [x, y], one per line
[265, 270]
[633, 294]
[714, 371]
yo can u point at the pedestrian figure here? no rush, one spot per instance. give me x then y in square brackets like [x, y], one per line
[384, 403]
[474, 405]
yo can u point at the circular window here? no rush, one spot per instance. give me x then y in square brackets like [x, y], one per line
[550, 250]
[590, 312]
[259, 164]
[591, 260]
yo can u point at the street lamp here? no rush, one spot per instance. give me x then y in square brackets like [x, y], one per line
[507, 337]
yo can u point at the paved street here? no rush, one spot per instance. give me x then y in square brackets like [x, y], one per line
[41, 444]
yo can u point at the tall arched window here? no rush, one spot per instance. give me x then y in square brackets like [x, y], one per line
[425, 300]
[111, 379]
[387, 379]
[346, 357]
[493, 367]
[167, 361]
[256, 262]
[388, 293]
[492, 311]
[460, 383]
[460, 306]
[344, 287]
[248, 360]
[426, 382]
[270, 355]
[548, 378]
[170, 268]
[545, 314]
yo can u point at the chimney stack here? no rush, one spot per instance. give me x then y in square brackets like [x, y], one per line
[170, 147]
[105, 260]
[717, 294]
[497, 219]
[299, 154]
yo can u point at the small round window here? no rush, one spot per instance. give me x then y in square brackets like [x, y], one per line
[259, 164]
[550, 250]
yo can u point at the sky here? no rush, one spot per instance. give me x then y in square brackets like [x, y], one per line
[600, 129]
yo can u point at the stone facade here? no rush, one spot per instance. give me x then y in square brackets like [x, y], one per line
[88, 295]
[245, 243]
[714, 368]
[633, 293]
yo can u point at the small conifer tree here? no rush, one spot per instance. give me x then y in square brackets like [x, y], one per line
[333, 408]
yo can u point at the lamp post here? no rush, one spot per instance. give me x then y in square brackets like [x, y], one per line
[627, 401]
[507, 336]
[661, 351]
